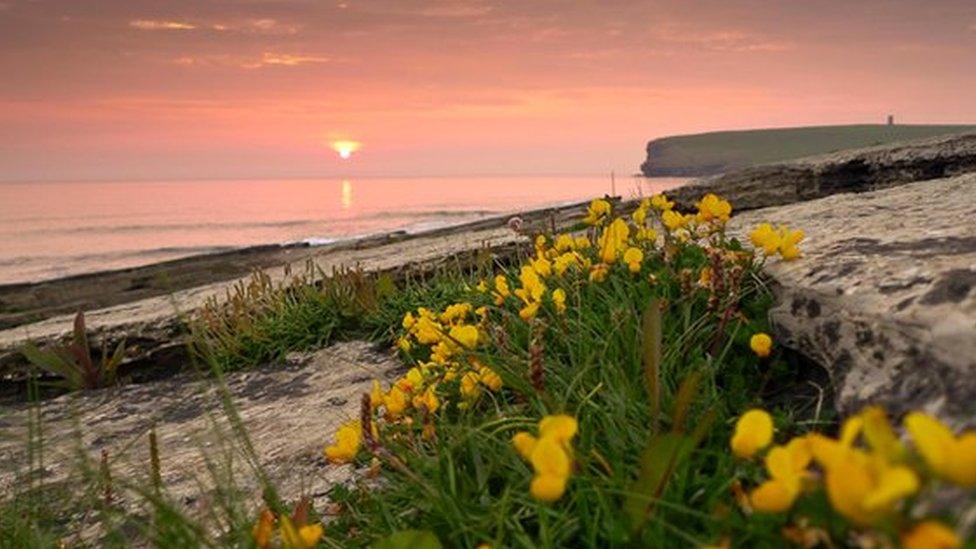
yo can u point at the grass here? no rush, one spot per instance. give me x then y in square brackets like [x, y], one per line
[716, 152]
[470, 487]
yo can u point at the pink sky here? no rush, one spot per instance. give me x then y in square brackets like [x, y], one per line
[116, 89]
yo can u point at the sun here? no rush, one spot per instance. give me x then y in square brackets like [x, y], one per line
[346, 148]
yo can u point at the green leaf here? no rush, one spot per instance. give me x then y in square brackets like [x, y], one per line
[409, 539]
[651, 347]
[660, 458]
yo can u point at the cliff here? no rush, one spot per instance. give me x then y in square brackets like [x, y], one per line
[718, 152]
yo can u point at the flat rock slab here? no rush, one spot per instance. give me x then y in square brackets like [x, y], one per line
[289, 411]
[885, 295]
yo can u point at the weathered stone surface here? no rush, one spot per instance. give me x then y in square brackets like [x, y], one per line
[885, 295]
[289, 412]
[858, 170]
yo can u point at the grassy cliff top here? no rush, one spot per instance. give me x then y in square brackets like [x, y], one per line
[716, 152]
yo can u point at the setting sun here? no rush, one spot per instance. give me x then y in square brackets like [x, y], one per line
[345, 148]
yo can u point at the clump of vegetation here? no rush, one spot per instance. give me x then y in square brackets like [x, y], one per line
[587, 398]
[73, 362]
[260, 320]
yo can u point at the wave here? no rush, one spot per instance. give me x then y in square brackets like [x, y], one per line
[21, 261]
[158, 227]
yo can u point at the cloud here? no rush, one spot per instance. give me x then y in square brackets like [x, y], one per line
[149, 24]
[722, 40]
[262, 26]
[462, 10]
[267, 59]
[290, 60]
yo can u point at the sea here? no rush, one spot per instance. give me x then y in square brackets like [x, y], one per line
[55, 229]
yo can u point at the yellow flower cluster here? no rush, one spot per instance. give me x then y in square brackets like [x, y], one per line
[532, 291]
[448, 337]
[867, 483]
[550, 454]
[598, 212]
[781, 240]
[712, 208]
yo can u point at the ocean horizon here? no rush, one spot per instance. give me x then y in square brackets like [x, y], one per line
[58, 229]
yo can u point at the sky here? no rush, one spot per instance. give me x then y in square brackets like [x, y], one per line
[187, 89]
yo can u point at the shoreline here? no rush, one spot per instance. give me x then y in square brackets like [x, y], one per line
[28, 302]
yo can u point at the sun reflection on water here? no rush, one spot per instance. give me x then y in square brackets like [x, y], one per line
[345, 198]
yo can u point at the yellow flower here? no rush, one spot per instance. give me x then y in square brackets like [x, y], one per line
[469, 386]
[673, 220]
[482, 286]
[481, 311]
[613, 240]
[490, 379]
[713, 208]
[456, 312]
[789, 239]
[640, 214]
[880, 435]
[766, 237]
[646, 234]
[552, 467]
[501, 289]
[930, 534]
[404, 344]
[542, 266]
[705, 277]
[862, 487]
[524, 444]
[563, 262]
[263, 529]
[599, 272]
[564, 243]
[597, 212]
[753, 432]
[950, 457]
[304, 537]
[633, 258]
[582, 243]
[540, 243]
[661, 202]
[532, 286]
[427, 400]
[561, 427]
[528, 312]
[427, 330]
[466, 335]
[412, 381]
[408, 321]
[559, 299]
[376, 394]
[549, 455]
[786, 466]
[395, 402]
[348, 439]
[548, 487]
[761, 344]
